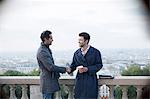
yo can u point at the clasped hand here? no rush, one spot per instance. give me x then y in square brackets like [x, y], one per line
[68, 69]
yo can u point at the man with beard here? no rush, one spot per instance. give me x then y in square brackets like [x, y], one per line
[49, 72]
[87, 60]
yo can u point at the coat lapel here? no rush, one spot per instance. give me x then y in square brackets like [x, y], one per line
[80, 56]
[89, 52]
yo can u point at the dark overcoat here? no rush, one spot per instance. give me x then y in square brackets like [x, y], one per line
[86, 84]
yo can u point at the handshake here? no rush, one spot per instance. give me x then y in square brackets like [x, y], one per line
[68, 69]
[81, 69]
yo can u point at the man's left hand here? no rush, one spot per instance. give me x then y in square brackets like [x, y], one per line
[83, 69]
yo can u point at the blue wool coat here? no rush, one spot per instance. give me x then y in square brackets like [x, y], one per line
[86, 84]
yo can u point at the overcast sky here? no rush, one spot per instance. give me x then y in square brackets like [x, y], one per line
[111, 23]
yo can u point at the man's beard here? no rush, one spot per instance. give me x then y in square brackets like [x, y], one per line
[50, 43]
[81, 45]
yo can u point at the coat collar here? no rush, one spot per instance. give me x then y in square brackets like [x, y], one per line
[42, 44]
[85, 51]
[46, 46]
[79, 53]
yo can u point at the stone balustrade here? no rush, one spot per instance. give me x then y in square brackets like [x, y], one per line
[33, 82]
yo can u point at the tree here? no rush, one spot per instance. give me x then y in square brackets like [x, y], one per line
[35, 72]
[14, 73]
[132, 94]
[118, 92]
[146, 70]
[133, 70]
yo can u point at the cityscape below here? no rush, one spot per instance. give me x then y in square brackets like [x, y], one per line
[114, 60]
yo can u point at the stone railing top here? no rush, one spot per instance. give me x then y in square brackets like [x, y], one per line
[69, 80]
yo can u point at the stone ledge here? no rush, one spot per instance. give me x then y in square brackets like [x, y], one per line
[69, 80]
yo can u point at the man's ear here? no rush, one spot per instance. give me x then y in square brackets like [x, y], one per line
[86, 41]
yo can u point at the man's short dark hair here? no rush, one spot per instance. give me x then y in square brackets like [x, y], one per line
[85, 35]
[45, 34]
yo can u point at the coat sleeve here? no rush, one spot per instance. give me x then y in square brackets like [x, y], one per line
[73, 64]
[48, 64]
[98, 65]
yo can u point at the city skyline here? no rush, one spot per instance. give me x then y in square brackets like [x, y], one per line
[113, 60]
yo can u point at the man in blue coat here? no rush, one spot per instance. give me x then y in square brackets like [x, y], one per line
[87, 60]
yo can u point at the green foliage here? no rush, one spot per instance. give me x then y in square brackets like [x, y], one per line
[117, 92]
[135, 70]
[132, 94]
[18, 91]
[146, 70]
[35, 72]
[64, 91]
[14, 73]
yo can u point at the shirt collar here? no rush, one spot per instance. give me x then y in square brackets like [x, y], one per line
[85, 51]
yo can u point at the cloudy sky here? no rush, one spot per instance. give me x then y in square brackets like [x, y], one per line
[111, 23]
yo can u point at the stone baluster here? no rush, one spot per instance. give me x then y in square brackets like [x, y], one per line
[58, 95]
[35, 92]
[111, 92]
[24, 92]
[12, 92]
[98, 92]
[124, 90]
[104, 92]
[139, 92]
[71, 92]
[1, 90]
